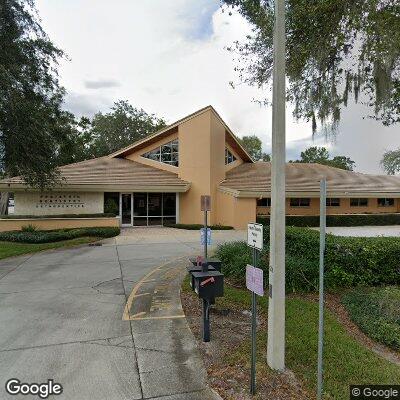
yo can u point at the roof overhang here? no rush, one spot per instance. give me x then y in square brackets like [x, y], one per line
[316, 193]
[18, 187]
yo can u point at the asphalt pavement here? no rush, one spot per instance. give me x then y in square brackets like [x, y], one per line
[103, 321]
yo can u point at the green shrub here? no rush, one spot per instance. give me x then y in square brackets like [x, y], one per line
[195, 227]
[57, 235]
[377, 313]
[29, 228]
[349, 261]
[338, 220]
[99, 215]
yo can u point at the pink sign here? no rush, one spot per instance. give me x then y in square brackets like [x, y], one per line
[255, 280]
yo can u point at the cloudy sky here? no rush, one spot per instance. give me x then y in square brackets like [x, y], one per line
[169, 58]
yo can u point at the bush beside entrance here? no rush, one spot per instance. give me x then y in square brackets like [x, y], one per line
[338, 220]
[350, 261]
[35, 236]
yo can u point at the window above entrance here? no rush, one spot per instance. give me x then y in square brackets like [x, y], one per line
[229, 157]
[167, 153]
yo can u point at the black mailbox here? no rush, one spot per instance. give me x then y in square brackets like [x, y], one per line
[193, 268]
[209, 284]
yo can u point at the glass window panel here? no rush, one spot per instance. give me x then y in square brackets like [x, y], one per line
[126, 208]
[264, 202]
[169, 220]
[140, 221]
[363, 202]
[155, 221]
[166, 157]
[166, 149]
[332, 202]
[140, 204]
[111, 202]
[385, 202]
[175, 146]
[167, 153]
[169, 204]
[155, 200]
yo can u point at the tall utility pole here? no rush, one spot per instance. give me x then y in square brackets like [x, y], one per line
[276, 304]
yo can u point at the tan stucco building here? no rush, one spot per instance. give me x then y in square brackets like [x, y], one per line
[160, 179]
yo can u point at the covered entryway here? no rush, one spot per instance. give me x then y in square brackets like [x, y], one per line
[148, 209]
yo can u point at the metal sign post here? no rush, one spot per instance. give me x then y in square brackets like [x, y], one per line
[322, 233]
[205, 205]
[255, 283]
[205, 202]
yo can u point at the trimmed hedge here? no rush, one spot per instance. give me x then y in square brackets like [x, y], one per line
[100, 215]
[377, 313]
[57, 235]
[196, 227]
[338, 220]
[349, 261]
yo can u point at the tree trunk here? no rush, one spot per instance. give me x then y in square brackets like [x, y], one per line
[4, 203]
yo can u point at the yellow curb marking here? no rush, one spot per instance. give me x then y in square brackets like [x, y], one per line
[126, 316]
[141, 294]
[161, 317]
[138, 314]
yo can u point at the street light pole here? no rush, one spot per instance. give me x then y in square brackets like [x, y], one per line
[276, 303]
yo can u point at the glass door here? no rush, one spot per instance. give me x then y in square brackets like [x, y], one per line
[126, 208]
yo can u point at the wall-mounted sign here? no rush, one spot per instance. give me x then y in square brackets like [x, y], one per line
[255, 236]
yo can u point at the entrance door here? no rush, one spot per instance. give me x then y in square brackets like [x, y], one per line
[126, 208]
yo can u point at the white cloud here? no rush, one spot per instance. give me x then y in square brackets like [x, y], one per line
[169, 58]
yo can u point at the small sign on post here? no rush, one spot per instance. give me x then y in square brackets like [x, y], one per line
[255, 283]
[203, 236]
[205, 203]
[255, 236]
[255, 280]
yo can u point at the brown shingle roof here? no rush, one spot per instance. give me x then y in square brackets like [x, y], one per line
[114, 173]
[306, 177]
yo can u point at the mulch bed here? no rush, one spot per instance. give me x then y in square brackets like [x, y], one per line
[228, 376]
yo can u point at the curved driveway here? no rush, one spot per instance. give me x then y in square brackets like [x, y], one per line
[62, 318]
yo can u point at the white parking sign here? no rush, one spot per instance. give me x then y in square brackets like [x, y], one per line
[255, 236]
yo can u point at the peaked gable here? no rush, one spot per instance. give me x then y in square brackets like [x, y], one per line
[173, 129]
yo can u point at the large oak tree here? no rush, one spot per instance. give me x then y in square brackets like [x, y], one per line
[32, 122]
[335, 49]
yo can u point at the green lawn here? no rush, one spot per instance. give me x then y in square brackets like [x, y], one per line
[346, 361]
[9, 249]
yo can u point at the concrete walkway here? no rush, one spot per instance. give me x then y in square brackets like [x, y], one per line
[105, 322]
[365, 231]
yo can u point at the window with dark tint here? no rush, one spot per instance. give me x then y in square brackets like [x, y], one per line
[111, 203]
[167, 153]
[358, 202]
[229, 157]
[266, 202]
[140, 205]
[300, 202]
[332, 202]
[385, 202]
[169, 206]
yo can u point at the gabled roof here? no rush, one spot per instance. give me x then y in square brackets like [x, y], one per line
[173, 128]
[254, 180]
[112, 174]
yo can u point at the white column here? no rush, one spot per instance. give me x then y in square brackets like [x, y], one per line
[276, 304]
[177, 208]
